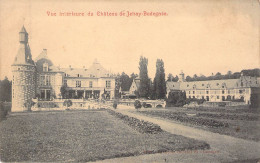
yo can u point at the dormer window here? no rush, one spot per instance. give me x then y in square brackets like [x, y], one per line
[66, 75]
[45, 67]
[78, 75]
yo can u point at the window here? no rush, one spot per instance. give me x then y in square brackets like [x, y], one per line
[223, 91]
[223, 98]
[187, 85]
[217, 84]
[108, 84]
[78, 83]
[202, 84]
[66, 75]
[193, 92]
[78, 75]
[65, 82]
[189, 92]
[217, 97]
[90, 84]
[189, 96]
[48, 81]
[202, 97]
[207, 92]
[42, 94]
[45, 80]
[173, 85]
[13, 79]
[45, 67]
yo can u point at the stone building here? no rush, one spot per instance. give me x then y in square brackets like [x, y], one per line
[41, 79]
[217, 90]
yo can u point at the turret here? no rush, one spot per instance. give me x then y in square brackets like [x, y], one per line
[181, 77]
[23, 36]
[24, 75]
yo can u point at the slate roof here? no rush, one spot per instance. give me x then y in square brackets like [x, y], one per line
[24, 55]
[244, 81]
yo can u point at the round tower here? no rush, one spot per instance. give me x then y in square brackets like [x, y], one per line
[24, 75]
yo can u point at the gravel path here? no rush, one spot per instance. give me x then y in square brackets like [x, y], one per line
[223, 148]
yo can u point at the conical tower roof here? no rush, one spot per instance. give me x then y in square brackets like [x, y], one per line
[23, 30]
[24, 53]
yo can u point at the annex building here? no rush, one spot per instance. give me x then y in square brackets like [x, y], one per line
[241, 89]
[41, 79]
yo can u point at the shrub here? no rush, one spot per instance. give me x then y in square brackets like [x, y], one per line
[3, 111]
[28, 104]
[115, 104]
[67, 103]
[139, 125]
[144, 104]
[137, 104]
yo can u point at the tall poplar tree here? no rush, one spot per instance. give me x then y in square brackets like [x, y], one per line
[144, 80]
[159, 80]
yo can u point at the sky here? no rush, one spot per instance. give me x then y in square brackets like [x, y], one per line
[197, 37]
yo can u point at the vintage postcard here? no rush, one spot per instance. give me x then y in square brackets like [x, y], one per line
[129, 81]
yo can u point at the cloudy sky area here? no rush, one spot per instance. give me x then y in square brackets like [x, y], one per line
[198, 37]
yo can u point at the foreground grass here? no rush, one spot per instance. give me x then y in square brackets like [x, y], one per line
[241, 123]
[80, 136]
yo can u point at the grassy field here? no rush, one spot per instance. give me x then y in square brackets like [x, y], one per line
[80, 136]
[240, 123]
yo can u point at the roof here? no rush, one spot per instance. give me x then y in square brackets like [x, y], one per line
[95, 70]
[23, 30]
[24, 55]
[245, 81]
[137, 83]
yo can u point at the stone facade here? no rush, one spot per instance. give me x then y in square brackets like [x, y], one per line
[217, 90]
[42, 80]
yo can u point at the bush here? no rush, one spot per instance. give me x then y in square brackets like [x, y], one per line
[137, 104]
[3, 111]
[139, 125]
[67, 103]
[28, 104]
[144, 104]
[115, 104]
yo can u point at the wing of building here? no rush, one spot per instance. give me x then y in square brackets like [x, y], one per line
[42, 79]
[241, 89]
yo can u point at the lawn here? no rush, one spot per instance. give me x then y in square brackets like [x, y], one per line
[240, 123]
[80, 136]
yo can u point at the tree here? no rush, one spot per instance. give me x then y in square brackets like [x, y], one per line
[159, 80]
[176, 98]
[144, 80]
[6, 90]
[125, 81]
[63, 91]
[170, 77]
[188, 78]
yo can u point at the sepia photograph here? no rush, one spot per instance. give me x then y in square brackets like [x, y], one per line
[171, 81]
